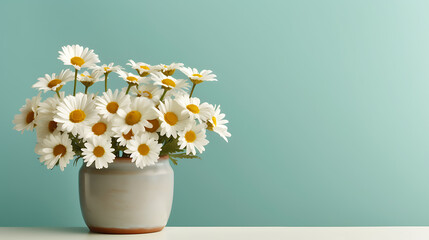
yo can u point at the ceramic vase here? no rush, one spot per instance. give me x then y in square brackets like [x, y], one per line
[124, 199]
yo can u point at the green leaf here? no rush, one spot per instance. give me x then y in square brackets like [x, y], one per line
[162, 139]
[184, 155]
[174, 156]
[173, 160]
[76, 160]
[170, 146]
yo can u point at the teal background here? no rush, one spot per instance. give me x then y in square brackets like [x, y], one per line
[328, 103]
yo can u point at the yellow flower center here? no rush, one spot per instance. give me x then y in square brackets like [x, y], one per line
[54, 83]
[132, 79]
[147, 94]
[77, 116]
[197, 75]
[143, 149]
[214, 121]
[145, 67]
[133, 117]
[155, 125]
[170, 83]
[59, 150]
[99, 128]
[30, 117]
[77, 61]
[128, 135]
[112, 107]
[52, 125]
[106, 69]
[98, 151]
[190, 136]
[193, 108]
[171, 118]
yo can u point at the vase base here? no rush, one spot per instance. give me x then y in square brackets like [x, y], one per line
[124, 230]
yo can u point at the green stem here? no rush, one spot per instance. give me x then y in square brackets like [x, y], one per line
[128, 89]
[192, 91]
[163, 95]
[105, 82]
[58, 94]
[75, 80]
[86, 89]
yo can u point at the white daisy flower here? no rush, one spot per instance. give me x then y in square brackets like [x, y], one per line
[144, 150]
[45, 125]
[26, 119]
[55, 149]
[100, 151]
[131, 78]
[102, 128]
[135, 117]
[108, 104]
[198, 77]
[194, 136]
[123, 137]
[176, 86]
[50, 104]
[77, 56]
[155, 126]
[75, 112]
[168, 70]
[172, 119]
[192, 106]
[103, 69]
[148, 91]
[88, 79]
[142, 68]
[217, 123]
[54, 82]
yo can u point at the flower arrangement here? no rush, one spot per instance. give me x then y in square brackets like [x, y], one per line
[153, 116]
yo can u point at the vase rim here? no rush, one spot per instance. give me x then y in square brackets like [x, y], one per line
[127, 159]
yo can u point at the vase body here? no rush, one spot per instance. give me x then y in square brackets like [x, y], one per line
[126, 199]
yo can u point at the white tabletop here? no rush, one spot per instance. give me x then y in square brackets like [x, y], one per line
[226, 233]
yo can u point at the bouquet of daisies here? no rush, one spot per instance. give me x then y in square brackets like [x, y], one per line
[154, 115]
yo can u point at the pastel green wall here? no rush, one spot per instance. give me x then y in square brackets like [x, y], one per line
[328, 103]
